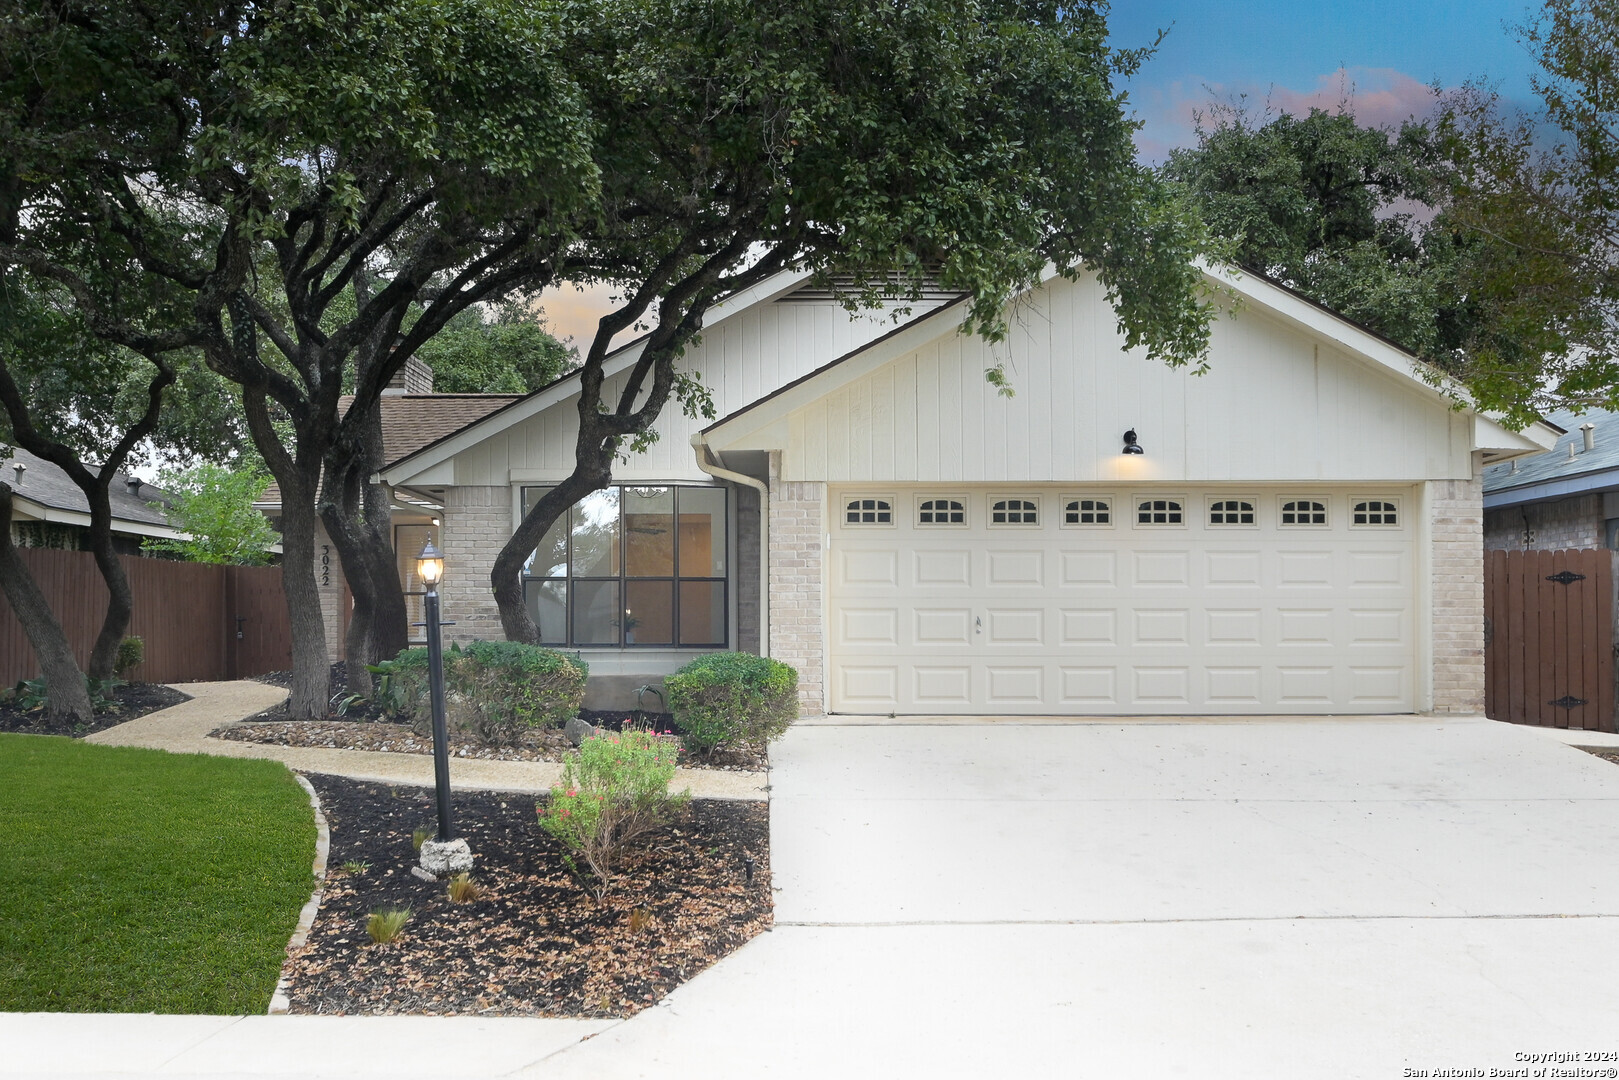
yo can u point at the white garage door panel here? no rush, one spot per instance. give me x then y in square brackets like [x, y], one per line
[1126, 619]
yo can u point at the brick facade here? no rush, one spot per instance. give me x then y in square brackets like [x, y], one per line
[1575, 522]
[477, 524]
[1457, 522]
[796, 638]
[746, 561]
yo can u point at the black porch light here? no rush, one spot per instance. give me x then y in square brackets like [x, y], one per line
[430, 568]
[1130, 444]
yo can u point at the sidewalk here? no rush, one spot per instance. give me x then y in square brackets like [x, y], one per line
[184, 728]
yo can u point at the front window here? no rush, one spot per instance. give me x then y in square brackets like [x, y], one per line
[631, 565]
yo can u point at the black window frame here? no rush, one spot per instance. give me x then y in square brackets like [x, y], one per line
[624, 579]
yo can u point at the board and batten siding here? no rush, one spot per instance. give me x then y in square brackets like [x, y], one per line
[741, 360]
[1275, 405]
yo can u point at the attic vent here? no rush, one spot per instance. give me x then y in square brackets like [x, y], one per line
[843, 284]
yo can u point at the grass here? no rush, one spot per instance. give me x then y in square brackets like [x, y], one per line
[141, 881]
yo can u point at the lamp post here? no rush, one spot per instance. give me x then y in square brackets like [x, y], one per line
[430, 568]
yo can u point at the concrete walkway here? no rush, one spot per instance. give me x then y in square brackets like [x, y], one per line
[184, 729]
[1305, 898]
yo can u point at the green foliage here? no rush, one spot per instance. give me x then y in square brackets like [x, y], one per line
[384, 926]
[1539, 191]
[726, 699]
[614, 790]
[213, 506]
[511, 353]
[31, 694]
[131, 653]
[356, 867]
[494, 690]
[114, 849]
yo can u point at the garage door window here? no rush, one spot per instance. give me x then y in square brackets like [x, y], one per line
[935, 512]
[1231, 512]
[632, 565]
[1376, 512]
[1013, 512]
[868, 511]
[1160, 512]
[1304, 512]
[1088, 512]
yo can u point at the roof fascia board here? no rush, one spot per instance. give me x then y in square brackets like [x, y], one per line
[621, 359]
[38, 511]
[1584, 484]
[1491, 436]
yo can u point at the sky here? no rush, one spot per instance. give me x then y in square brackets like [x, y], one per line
[1285, 55]
[1289, 56]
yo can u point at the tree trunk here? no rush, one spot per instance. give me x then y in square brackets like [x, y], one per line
[67, 697]
[311, 671]
[505, 578]
[120, 599]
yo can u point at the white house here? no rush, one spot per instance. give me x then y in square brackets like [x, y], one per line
[1301, 533]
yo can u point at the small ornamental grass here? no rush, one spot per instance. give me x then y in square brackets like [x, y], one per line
[614, 790]
[385, 925]
[733, 699]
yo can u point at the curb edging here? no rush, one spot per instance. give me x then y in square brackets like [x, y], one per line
[279, 1002]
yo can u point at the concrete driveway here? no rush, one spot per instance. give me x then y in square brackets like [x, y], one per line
[1305, 898]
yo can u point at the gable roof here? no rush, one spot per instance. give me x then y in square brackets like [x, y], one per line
[46, 493]
[1558, 473]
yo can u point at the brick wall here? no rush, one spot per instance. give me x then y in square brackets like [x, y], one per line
[1457, 508]
[476, 525]
[746, 561]
[795, 585]
[1567, 523]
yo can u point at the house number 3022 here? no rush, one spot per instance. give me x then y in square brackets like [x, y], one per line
[326, 564]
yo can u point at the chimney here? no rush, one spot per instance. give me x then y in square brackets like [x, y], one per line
[1589, 431]
[21, 468]
[414, 378]
[134, 486]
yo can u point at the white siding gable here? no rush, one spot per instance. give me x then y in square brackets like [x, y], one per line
[1279, 403]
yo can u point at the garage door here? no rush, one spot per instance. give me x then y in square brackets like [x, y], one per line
[1074, 601]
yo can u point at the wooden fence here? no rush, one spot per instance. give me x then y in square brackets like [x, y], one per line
[199, 622]
[1549, 638]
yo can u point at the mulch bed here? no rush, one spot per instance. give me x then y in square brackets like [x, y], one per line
[536, 943]
[131, 700]
[1607, 755]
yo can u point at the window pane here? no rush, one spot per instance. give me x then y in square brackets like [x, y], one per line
[550, 558]
[649, 532]
[596, 613]
[702, 613]
[595, 536]
[702, 532]
[649, 612]
[548, 607]
[408, 541]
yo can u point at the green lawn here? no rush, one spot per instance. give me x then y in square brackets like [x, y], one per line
[142, 881]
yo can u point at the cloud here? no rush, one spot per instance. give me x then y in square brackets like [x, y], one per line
[1377, 97]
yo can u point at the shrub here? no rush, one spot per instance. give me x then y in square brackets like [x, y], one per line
[729, 699]
[494, 690]
[614, 790]
[131, 651]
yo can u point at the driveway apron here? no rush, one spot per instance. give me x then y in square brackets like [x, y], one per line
[1333, 898]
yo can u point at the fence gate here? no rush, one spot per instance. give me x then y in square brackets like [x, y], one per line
[1548, 638]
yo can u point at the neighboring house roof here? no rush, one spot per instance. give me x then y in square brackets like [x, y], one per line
[45, 493]
[1558, 474]
[412, 421]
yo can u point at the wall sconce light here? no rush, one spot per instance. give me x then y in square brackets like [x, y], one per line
[1130, 444]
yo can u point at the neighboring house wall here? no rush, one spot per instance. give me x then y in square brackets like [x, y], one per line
[1555, 526]
[1456, 509]
[797, 524]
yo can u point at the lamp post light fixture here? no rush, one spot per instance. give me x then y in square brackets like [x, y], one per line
[444, 854]
[1130, 444]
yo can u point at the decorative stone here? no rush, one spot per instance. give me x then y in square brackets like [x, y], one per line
[578, 731]
[417, 871]
[442, 858]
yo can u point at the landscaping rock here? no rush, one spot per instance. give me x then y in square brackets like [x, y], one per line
[578, 731]
[442, 858]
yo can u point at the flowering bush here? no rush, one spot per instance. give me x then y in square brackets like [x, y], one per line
[614, 790]
[726, 699]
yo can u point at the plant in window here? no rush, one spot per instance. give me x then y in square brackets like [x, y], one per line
[728, 699]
